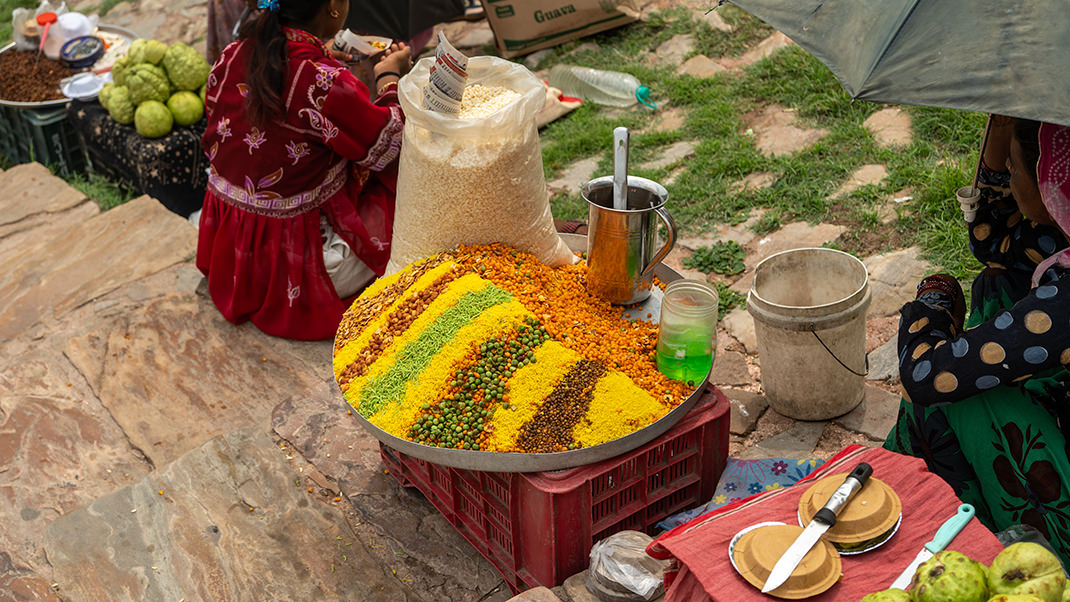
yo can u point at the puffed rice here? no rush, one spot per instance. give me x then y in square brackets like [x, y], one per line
[482, 101]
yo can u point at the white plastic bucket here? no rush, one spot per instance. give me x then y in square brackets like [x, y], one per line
[809, 308]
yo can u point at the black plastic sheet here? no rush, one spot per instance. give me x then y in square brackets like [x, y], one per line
[400, 19]
[172, 169]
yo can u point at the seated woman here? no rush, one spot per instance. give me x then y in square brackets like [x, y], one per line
[303, 168]
[986, 406]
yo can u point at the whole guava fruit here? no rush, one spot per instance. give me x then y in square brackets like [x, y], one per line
[949, 576]
[1015, 598]
[888, 595]
[147, 82]
[119, 69]
[186, 67]
[1027, 568]
[104, 93]
[136, 51]
[152, 119]
[153, 52]
[186, 107]
[204, 93]
[119, 106]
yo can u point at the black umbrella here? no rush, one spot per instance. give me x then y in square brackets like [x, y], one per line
[993, 56]
[400, 19]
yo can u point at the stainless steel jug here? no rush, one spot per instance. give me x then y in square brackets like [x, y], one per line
[622, 244]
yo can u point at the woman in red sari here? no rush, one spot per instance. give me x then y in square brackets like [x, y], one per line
[303, 165]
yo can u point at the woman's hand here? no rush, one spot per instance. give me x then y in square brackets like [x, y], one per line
[396, 59]
[341, 55]
[1000, 131]
[945, 292]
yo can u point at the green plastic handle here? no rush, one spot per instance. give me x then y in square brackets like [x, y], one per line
[950, 528]
[642, 94]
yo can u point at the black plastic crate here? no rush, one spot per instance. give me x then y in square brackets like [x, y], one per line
[41, 135]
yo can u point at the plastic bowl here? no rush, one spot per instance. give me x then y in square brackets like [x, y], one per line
[82, 52]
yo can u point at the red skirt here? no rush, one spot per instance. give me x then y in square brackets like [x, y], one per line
[270, 270]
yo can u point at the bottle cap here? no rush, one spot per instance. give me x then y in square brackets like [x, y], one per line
[642, 94]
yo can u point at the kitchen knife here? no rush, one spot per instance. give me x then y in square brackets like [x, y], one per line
[822, 521]
[944, 535]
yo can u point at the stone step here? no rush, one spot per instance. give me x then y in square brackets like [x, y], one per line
[85, 260]
[30, 189]
[417, 540]
[19, 583]
[226, 521]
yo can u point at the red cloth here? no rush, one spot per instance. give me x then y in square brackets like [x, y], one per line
[700, 547]
[334, 153]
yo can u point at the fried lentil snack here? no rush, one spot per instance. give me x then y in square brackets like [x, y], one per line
[486, 349]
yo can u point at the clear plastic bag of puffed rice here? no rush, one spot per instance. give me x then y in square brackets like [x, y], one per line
[475, 177]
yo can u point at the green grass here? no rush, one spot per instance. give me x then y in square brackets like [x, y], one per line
[107, 5]
[106, 193]
[937, 161]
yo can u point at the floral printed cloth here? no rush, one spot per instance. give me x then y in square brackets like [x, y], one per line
[744, 478]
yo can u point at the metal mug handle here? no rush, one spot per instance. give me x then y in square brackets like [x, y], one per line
[670, 225]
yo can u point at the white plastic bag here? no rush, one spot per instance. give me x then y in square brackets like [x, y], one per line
[19, 16]
[473, 181]
[620, 562]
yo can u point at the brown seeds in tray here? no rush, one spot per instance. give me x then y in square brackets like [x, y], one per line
[22, 81]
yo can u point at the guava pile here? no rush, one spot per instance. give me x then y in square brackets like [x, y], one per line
[156, 87]
[1022, 572]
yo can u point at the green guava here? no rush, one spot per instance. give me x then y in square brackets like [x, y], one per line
[119, 106]
[186, 107]
[104, 93]
[146, 51]
[119, 69]
[888, 595]
[1027, 568]
[1015, 598]
[153, 52]
[152, 119]
[204, 93]
[949, 576]
[147, 82]
[186, 67]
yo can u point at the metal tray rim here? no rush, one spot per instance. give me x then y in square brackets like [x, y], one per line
[527, 462]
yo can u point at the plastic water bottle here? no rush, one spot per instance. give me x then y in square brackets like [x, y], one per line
[603, 87]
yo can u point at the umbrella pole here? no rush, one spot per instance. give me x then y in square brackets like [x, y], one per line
[981, 156]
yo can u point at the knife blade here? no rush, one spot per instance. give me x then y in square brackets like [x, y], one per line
[821, 522]
[944, 535]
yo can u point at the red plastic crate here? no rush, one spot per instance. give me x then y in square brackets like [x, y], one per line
[538, 528]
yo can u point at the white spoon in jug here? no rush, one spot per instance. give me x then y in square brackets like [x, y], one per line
[620, 168]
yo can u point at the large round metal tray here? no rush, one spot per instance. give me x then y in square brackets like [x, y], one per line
[523, 462]
[62, 102]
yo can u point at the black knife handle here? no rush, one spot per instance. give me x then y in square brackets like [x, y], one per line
[854, 481]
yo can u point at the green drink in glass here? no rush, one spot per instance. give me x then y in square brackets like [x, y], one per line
[687, 331]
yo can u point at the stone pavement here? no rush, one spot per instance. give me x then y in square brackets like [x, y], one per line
[150, 450]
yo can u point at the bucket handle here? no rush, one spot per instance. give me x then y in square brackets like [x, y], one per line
[670, 225]
[862, 374]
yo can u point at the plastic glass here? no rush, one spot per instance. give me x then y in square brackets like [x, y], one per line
[687, 331]
[969, 198]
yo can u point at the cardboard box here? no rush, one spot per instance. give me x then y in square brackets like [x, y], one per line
[523, 26]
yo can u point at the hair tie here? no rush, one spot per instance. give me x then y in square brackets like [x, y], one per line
[272, 5]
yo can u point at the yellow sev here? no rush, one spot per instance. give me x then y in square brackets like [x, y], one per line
[528, 388]
[447, 299]
[348, 353]
[396, 418]
[618, 408]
